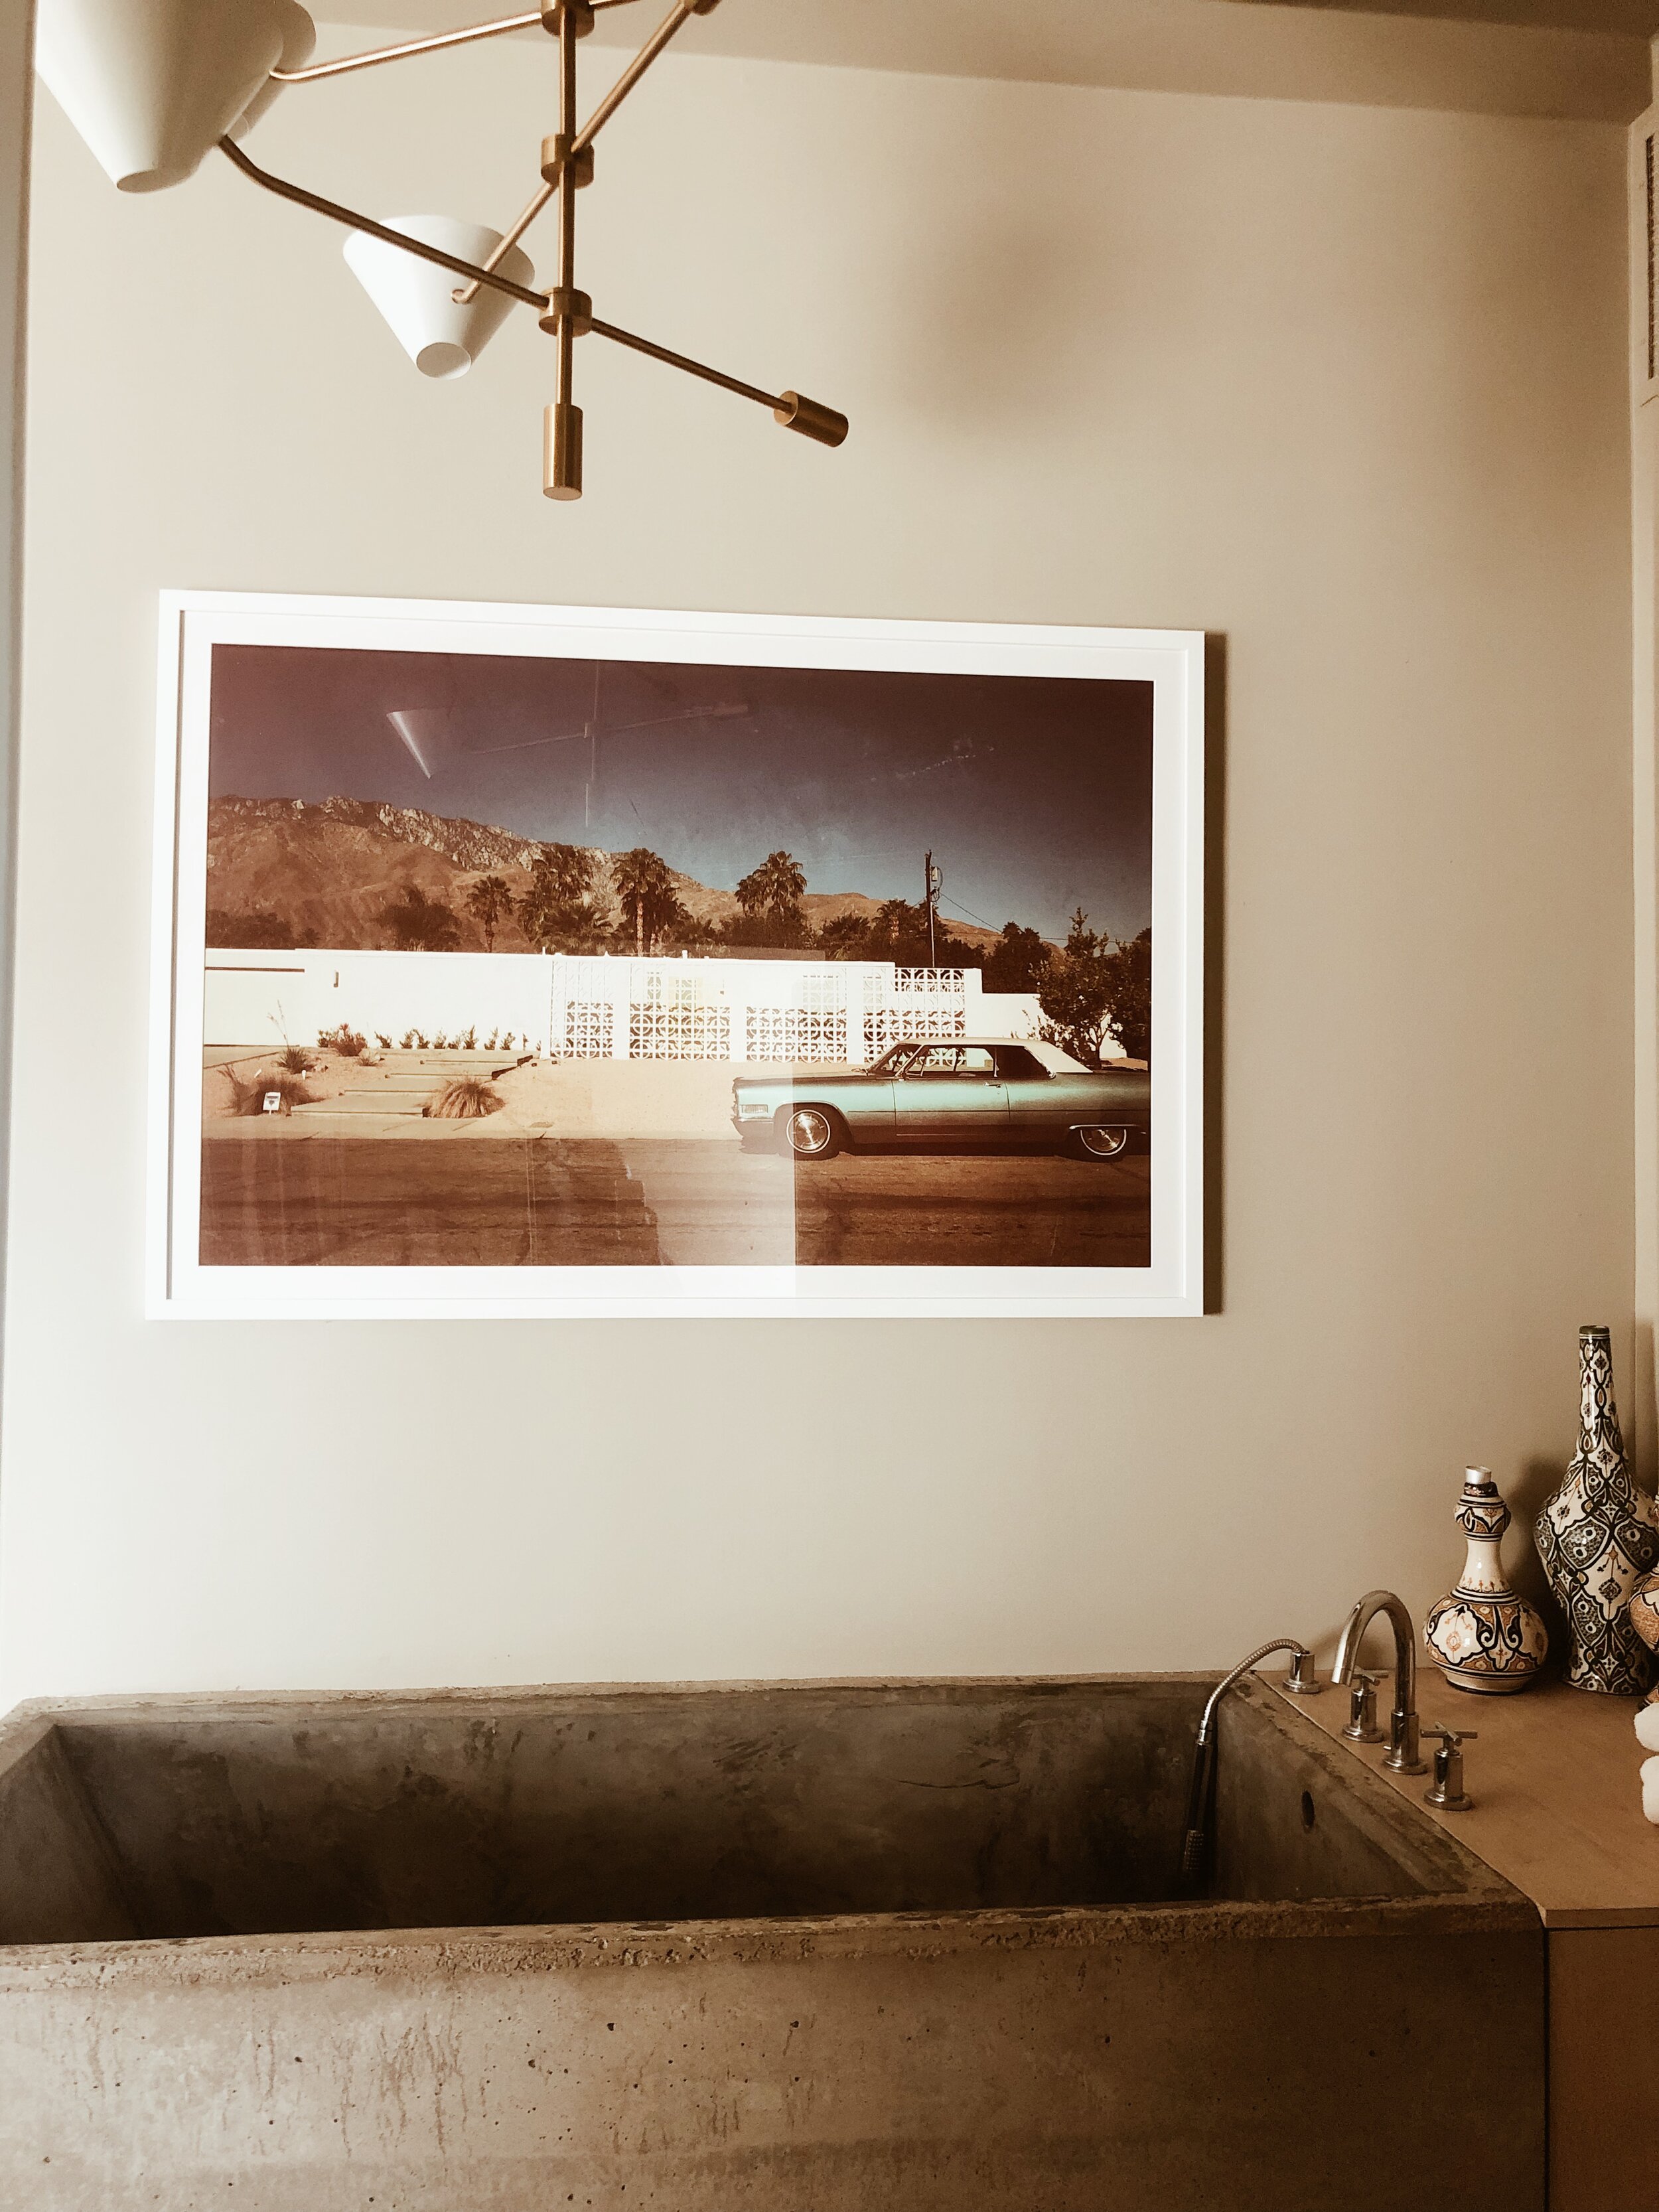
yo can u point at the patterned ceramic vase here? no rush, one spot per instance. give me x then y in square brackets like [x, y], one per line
[1485, 1636]
[1597, 1536]
[1645, 1619]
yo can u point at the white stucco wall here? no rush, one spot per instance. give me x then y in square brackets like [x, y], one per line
[260, 999]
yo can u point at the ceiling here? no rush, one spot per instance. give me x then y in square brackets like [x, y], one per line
[1632, 18]
[1584, 59]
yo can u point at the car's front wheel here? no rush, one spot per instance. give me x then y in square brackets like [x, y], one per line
[1100, 1144]
[810, 1133]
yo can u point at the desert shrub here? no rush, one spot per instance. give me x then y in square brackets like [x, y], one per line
[441, 1043]
[506, 1042]
[492, 1040]
[469, 1098]
[247, 1093]
[346, 1040]
[383, 1040]
[469, 1041]
[296, 1058]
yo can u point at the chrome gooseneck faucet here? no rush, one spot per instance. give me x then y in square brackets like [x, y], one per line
[1404, 1755]
[1303, 1679]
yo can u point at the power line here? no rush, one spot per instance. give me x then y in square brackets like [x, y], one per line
[968, 911]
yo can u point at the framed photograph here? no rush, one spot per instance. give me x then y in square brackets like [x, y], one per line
[576, 961]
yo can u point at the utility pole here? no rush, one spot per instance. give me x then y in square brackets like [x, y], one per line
[591, 734]
[933, 879]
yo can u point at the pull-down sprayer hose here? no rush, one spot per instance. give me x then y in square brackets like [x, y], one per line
[1196, 1841]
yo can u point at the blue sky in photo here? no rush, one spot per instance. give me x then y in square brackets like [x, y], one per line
[1033, 792]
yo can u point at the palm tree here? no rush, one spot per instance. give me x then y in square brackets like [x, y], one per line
[774, 888]
[557, 911]
[640, 880]
[418, 924]
[488, 902]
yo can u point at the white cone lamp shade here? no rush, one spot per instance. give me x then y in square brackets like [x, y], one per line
[442, 337]
[153, 85]
[299, 42]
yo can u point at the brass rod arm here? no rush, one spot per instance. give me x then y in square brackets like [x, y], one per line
[562, 422]
[352, 220]
[432, 45]
[810, 418]
[691, 368]
[679, 14]
[466, 294]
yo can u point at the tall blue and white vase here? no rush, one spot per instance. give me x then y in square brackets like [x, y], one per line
[1597, 1535]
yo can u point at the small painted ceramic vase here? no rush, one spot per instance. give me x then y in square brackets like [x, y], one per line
[1598, 1535]
[1485, 1636]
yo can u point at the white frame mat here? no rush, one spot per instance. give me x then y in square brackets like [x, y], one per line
[192, 622]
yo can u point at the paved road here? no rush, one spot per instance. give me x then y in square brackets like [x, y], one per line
[386, 1201]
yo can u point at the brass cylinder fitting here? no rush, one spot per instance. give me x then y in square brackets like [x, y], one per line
[582, 14]
[562, 303]
[810, 418]
[562, 452]
[554, 155]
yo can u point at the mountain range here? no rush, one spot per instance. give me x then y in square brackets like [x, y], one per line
[328, 868]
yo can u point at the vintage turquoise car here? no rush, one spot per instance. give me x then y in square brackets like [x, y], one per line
[987, 1092]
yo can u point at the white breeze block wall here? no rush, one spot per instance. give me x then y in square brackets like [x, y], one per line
[606, 1007]
[753, 1011]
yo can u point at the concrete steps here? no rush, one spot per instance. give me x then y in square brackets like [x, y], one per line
[404, 1081]
[435, 1064]
[359, 1103]
[423, 1080]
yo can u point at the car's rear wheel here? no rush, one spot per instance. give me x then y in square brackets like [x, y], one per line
[812, 1132]
[1100, 1144]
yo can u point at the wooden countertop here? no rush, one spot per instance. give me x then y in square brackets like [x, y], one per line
[1555, 1776]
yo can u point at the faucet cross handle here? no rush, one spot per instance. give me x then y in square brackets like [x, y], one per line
[1446, 1792]
[1362, 1725]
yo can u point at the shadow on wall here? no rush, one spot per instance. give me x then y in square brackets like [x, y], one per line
[1215, 945]
[1526, 1496]
[992, 320]
[1642, 1442]
[987, 312]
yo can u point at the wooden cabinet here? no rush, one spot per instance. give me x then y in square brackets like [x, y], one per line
[1558, 1812]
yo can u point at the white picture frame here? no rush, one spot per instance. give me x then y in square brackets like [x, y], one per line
[179, 1286]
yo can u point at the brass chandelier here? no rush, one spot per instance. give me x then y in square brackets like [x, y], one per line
[153, 85]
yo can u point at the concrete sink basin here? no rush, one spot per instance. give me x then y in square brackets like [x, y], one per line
[821, 1947]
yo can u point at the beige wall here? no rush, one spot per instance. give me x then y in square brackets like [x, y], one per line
[16, 109]
[1344, 386]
